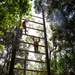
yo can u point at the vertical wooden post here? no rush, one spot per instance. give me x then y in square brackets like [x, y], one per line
[46, 44]
[11, 69]
[14, 46]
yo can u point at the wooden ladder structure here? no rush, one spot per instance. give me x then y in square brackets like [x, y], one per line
[15, 49]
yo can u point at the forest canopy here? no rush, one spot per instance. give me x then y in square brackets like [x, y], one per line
[60, 15]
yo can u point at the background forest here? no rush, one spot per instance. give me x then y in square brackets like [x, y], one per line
[60, 26]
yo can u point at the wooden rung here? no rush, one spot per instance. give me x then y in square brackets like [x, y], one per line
[30, 70]
[30, 43]
[38, 17]
[31, 51]
[34, 22]
[35, 29]
[29, 60]
[33, 36]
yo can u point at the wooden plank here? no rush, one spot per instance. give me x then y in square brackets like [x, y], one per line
[31, 51]
[33, 36]
[30, 70]
[37, 17]
[29, 60]
[35, 29]
[30, 43]
[34, 22]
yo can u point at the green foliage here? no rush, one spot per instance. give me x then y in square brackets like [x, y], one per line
[1, 47]
[11, 13]
[18, 65]
[63, 35]
[1, 33]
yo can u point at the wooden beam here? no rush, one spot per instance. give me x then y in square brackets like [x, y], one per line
[37, 17]
[30, 70]
[32, 36]
[30, 51]
[34, 22]
[46, 44]
[35, 29]
[29, 60]
[30, 43]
